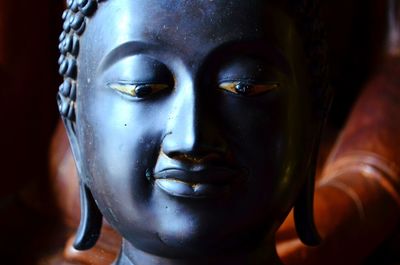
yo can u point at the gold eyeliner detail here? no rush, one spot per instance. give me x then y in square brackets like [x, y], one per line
[248, 89]
[138, 90]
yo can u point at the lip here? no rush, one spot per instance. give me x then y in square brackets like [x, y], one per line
[205, 183]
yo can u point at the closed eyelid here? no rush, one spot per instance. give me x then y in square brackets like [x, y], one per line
[132, 89]
[256, 88]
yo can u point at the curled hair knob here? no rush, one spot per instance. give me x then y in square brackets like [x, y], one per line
[76, 21]
[87, 7]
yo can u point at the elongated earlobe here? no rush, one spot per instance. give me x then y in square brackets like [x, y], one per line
[91, 217]
[91, 221]
[304, 206]
[304, 215]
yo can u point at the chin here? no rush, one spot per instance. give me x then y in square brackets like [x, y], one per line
[205, 236]
[198, 246]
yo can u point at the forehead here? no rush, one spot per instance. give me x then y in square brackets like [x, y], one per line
[185, 26]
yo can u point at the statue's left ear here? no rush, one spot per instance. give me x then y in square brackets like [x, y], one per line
[304, 206]
[304, 209]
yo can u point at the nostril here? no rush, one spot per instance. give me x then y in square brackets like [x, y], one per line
[165, 135]
[188, 158]
[202, 159]
[197, 156]
[176, 145]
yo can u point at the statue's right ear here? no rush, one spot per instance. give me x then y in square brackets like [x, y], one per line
[91, 220]
[66, 106]
[91, 217]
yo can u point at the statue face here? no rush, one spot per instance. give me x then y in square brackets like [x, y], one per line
[193, 121]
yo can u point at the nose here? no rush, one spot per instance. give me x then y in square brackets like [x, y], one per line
[192, 131]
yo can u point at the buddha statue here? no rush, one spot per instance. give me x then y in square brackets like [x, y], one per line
[194, 125]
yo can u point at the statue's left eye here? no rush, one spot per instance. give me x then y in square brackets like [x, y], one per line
[138, 90]
[246, 88]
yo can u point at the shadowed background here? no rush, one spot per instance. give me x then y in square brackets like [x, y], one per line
[28, 85]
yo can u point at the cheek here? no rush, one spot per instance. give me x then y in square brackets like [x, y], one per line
[255, 128]
[266, 138]
[120, 141]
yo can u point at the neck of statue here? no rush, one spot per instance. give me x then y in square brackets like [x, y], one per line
[264, 255]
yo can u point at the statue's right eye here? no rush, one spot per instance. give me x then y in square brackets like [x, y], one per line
[137, 77]
[138, 90]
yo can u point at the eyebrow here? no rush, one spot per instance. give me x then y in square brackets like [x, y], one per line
[260, 48]
[269, 52]
[124, 50]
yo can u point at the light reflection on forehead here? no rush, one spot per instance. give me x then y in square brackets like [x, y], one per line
[193, 29]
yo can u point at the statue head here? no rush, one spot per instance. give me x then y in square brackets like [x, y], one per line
[194, 124]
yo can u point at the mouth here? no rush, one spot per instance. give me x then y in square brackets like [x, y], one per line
[205, 183]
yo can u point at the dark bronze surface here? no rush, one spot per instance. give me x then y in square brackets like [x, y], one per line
[194, 125]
